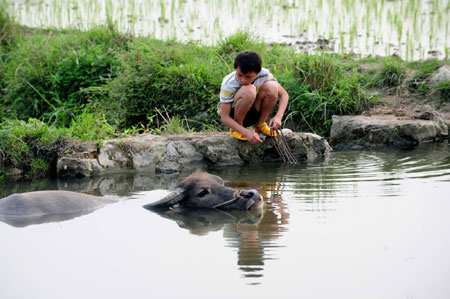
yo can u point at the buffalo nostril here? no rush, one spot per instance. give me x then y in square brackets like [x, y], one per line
[247, 194]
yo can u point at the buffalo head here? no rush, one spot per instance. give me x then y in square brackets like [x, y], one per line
[204, 190]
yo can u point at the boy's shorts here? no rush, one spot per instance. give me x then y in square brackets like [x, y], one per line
[250, 119]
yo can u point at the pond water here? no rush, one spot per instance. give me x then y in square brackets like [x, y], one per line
[358, 224]
[412, 29]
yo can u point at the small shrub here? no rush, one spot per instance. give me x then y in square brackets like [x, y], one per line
[443, 88]
[390, 75]
[90, 126]
[31, 146]
[237, 42]
[425, 67]
[38, 168]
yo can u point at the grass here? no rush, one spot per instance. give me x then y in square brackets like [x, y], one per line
[320, 88]
[7, 28]
[30, 146]
[443, 89]
[391, 74]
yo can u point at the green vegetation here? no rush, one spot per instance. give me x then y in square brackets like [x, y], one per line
[33, 146]
[443, 89]
[30, 146]
[98, 84]
[419, 82]
[321, 87]
[183, 78]
[391, 74]
[7, 28]
[52, 76]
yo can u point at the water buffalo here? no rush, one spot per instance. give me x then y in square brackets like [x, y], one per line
[199, 190]
[204, 190]
[48, 206]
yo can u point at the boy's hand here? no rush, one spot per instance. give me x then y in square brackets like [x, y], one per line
[275, 123]
[252, 136]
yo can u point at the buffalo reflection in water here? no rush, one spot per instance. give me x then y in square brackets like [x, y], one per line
[254, 233]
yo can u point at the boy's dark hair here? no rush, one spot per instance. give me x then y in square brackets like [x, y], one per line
[248, 61]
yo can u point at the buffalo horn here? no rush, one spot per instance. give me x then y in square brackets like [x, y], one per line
[168, 201]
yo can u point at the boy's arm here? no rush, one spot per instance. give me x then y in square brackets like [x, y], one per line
[231, 123]
[275, 122]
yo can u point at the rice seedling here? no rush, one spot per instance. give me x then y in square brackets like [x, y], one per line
[383, 21]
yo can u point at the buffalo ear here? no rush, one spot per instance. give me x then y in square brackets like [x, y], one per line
[172, 198]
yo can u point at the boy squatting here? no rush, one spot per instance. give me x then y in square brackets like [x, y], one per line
[254, 92]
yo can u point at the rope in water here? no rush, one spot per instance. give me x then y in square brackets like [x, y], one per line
[282, 147]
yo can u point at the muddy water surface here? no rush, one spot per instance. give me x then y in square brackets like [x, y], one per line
[366, 224]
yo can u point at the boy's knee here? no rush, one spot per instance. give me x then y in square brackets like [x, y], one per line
[247, 92]
[270, 89]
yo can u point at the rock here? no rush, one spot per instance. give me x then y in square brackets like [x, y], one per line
[416, 131]
[80, 149]
[78, 167]
[221, 151]
[442, 75]
[176, 153]
[430, 116]
[13, 172]
[179, 155]
[356, 132]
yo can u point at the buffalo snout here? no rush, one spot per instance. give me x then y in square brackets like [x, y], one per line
[250, 194]
[251, 199]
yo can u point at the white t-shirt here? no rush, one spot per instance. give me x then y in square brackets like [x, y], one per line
[230, 84]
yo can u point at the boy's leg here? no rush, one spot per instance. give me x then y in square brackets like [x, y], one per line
[266, 100]
[244, 100]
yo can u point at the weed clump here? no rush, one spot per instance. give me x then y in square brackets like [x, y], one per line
[443, 88]
[240, 41]
[30, 146]
[391, 74]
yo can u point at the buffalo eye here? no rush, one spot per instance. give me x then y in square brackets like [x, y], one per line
[202, 193]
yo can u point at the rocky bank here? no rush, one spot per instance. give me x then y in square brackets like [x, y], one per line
[361, 131]
[401, 119]
[176, 153]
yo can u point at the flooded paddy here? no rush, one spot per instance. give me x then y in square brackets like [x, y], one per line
[412, 29]
[366, 224]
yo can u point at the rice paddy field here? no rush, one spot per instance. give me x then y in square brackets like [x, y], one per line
[411, 29]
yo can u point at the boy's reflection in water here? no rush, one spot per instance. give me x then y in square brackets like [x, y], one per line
[256, 242]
